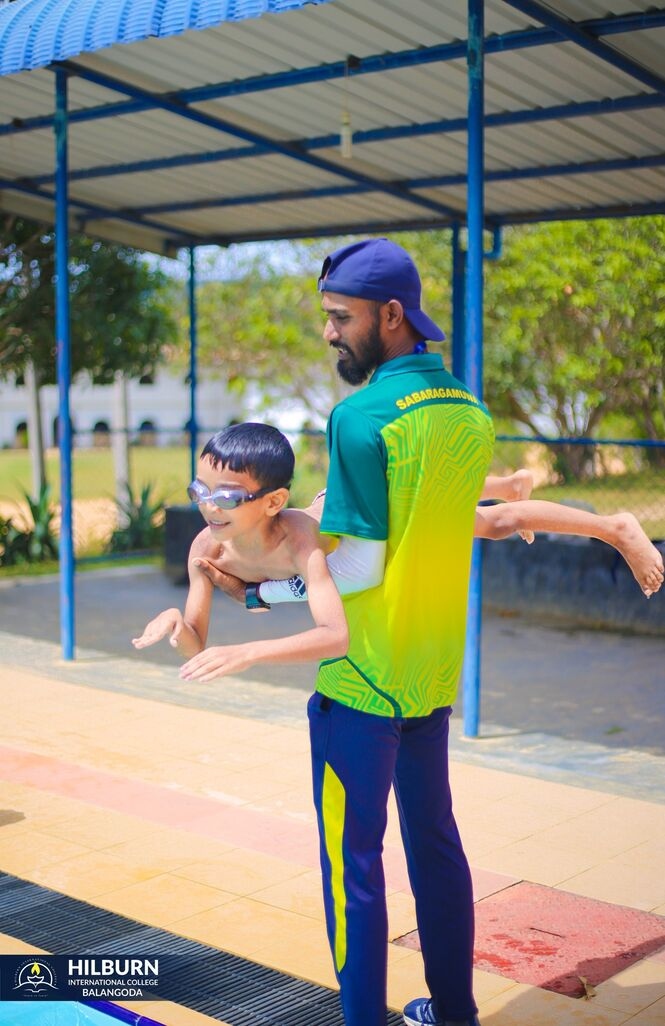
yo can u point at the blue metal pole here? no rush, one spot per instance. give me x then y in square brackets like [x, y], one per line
[458, 298]
[473, 350]
[63, 361]
[193, 422]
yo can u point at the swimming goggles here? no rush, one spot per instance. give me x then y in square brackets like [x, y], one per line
[226, 497]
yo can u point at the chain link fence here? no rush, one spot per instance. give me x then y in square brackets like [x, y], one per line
[604, 476]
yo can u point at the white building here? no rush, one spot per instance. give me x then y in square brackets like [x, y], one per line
[157, 414]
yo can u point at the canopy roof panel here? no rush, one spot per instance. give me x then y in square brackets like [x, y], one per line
[219, 121]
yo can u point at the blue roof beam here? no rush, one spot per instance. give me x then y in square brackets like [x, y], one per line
[91, 212]
[433, 182]
[334, 230]
[274, 146]
[504, 43]
[577, 33]
[560, 112]
[585, 213]
[375, 227]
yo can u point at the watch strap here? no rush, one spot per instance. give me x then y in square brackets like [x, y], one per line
[253, 599]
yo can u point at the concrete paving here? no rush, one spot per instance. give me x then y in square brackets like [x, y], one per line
[199, 821]
[587, 686]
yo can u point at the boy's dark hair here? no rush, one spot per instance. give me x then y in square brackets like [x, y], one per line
[257, 449]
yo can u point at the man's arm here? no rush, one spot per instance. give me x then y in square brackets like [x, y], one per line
[356, 565]
[329, 639]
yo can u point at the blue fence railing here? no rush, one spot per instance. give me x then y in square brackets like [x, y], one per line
[606, 475]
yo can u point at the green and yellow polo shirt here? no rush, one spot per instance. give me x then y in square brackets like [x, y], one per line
[408, 457]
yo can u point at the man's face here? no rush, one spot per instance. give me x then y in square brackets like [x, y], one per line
[353, 328]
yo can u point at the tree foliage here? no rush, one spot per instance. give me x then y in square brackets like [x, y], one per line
[261, 332]
[575, 327]
[121, 310]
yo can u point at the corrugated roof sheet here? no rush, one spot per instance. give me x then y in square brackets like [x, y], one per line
[232, 133]
[34, 33]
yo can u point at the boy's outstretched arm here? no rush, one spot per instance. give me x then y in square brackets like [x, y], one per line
[187, 632]
[327, 640]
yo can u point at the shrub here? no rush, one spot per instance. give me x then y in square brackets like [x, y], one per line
[33, 545]
[141, 522]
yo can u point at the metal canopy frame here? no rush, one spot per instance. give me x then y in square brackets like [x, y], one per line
[589, 34]
[167, 226]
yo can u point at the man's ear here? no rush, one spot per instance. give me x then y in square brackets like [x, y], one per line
[394, 314]
[276, 501]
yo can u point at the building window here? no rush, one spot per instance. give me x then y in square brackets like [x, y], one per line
[21, 435]
[101, 435]
[147, 433]
[55, 430]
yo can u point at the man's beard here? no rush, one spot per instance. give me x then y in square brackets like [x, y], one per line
[358, 365]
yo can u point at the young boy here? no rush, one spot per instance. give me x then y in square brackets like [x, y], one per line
[251, 537]
[241, 488]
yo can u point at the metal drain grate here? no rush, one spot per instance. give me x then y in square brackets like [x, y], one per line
[213, 982]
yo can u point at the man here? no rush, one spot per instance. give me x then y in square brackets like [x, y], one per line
[408, 458]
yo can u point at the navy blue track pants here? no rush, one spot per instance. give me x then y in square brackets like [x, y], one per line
[356, 757]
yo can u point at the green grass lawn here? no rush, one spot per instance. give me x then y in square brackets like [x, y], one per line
[83, 565]
[168, 470]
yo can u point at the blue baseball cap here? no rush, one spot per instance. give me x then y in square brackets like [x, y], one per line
[382, 270]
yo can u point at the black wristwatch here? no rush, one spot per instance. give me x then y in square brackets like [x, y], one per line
[253, 600]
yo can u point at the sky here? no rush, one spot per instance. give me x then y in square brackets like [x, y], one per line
[214, 263]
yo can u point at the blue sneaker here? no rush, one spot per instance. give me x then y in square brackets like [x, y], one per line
[421, 1013]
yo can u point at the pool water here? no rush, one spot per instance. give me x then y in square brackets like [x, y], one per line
[64, 1013]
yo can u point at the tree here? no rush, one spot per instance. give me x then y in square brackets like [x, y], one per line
[261, 333]
[121, 316]
[575, 329]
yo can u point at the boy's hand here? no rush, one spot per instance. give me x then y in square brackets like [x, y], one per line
[168, 622]
[229, 584]
[217, 661]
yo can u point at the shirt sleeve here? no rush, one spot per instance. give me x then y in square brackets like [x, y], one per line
[356, 501]
[355, 565]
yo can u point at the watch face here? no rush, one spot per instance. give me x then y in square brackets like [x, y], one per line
[253, 601]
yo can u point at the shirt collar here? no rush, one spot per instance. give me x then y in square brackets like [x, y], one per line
[410, 362]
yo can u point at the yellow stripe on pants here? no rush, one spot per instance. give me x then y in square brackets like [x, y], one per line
[333, 807]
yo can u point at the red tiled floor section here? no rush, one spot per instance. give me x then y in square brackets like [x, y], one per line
[211, 817]
[550, 938]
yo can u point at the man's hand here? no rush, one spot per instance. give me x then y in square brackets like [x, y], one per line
[168, 622]
[217, 661]
[229, 584]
